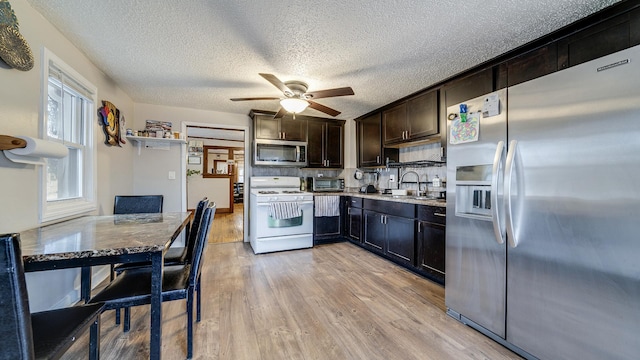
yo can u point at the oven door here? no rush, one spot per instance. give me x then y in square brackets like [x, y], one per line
[267, 226]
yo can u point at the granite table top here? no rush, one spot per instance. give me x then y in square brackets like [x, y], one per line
[99, 236]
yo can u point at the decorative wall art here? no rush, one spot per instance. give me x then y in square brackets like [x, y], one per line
[14, 49]
[110, 120]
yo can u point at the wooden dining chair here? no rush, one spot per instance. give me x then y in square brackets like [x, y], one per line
[40, 335]
[133, 286]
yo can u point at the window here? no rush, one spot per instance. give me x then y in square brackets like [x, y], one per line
[68, 186]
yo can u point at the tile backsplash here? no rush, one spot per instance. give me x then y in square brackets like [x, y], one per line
[381, 178]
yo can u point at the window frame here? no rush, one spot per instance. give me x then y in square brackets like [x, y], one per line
[87, 202]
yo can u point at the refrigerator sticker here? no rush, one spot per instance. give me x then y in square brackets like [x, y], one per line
[464, 132]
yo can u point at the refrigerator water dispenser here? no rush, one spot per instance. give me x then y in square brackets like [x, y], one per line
[473, 192]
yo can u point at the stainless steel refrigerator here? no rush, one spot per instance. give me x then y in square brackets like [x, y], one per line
[543, 212]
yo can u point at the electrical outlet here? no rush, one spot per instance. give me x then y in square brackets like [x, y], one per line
[392, 178]
[172, 175]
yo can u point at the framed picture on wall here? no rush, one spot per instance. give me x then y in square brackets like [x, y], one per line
[195, 160]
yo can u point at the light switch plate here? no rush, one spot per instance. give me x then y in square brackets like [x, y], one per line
[172, 175]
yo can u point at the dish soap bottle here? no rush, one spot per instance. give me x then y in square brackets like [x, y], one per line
[436, 182]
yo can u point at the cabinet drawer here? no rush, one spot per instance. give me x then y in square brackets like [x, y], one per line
[391, 207]
[432, 214]
[355, 202]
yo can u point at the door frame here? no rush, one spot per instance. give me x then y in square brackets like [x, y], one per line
[247, 168]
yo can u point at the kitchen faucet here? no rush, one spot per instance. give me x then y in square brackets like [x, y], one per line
[417, 180]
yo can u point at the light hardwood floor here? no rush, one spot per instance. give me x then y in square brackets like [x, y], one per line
[334, 301]
[228, 226]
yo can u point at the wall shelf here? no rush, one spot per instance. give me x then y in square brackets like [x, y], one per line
[153, 142]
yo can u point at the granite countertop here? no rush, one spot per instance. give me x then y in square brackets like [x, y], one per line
[377, 196]
[96, 236]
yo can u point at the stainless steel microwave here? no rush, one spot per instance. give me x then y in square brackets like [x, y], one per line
[280, 153]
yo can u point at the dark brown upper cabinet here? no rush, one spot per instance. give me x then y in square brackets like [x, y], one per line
[472, 86]
[596, 41]
[286, 128]
[411, 120]
[325, 147]
[534, 64]
[371, 151]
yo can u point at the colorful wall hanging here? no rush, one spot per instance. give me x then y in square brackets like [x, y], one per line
[110, 120]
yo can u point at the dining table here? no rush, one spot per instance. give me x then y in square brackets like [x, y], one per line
[90, 241]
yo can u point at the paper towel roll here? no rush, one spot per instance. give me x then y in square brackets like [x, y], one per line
[41, 148]
[36, 150]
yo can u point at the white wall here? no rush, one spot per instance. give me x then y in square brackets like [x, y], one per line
[215, 189]
[20, 98]
[180, 117]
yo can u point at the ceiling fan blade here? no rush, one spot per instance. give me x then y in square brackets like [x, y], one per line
[343, 91]
[276, 82]
[255, 98]
[324, 109]
[281, 113]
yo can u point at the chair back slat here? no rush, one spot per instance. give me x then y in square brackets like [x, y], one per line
[195, 227]
[16, 337]
[201, 242]
[136, 204]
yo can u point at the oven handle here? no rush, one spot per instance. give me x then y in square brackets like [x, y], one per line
[299, 203]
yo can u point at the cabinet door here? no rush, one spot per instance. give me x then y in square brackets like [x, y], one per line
[534, 64]
[422, 115]
[315, 148]
[400, 238]
[594, 42]
[294, 130]
[326, 229]
[266, 127]
[370, 141]
[394, 124]
[354, 223]
[334, 144]
[472, 86]
[431, 250]
[374, 231]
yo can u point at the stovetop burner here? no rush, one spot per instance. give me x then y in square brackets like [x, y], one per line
[292, 192]
[267, 192]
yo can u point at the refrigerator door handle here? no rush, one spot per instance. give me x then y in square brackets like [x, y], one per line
[498, 227]
[511, 156]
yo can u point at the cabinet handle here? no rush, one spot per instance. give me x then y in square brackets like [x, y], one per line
[378, 159]
[328, 163]
[419, 227]
[349, 211]
[440, 214]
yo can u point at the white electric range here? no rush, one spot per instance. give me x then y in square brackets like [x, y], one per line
[280, 214]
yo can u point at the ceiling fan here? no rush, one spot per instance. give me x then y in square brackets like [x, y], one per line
[296, 98]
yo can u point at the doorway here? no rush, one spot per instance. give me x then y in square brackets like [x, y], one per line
[216, 169]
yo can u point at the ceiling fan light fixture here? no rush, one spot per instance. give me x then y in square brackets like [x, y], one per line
[294, 105]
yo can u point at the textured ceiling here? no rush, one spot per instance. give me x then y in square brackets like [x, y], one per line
[198, 53]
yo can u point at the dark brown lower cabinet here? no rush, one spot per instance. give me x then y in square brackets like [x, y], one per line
[390, 235]
[354, 224]
[431, 242]
[410, 235]
[374, 231]
[327, 229]
[401, 238]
